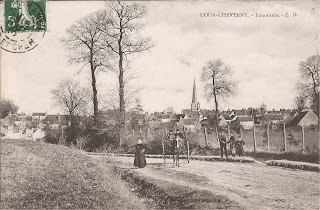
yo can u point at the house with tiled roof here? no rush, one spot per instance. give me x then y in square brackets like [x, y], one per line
[12, 126]
[246, 122]
[273, 118]
[224, 119]
[38, 116]
[188, 124]
[273, 112]
[304, 118]
[55, 121]
[285, 112]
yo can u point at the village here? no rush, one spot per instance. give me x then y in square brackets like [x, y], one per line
[193, 120]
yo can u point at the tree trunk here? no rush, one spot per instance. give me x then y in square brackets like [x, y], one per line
[215, 101]
[72, 128]
[121, 91]
[94, 88]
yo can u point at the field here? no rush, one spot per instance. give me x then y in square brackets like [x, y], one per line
[39, 175]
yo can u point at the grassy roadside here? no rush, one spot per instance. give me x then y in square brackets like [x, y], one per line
[38, 175]
[167, 195]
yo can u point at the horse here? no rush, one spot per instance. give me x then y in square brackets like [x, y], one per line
[176, 151]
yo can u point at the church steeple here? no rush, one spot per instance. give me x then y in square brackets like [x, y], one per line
[195, 105]
[194, 92]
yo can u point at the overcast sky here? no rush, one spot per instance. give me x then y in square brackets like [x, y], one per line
[264, 54]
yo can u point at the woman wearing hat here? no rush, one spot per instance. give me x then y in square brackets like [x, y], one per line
[140, 158]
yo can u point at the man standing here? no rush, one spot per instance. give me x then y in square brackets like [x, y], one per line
[223, 144]
[171, 138]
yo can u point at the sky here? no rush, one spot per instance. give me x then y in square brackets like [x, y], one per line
[264, 54]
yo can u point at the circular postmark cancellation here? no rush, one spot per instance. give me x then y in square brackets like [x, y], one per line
[24, 23]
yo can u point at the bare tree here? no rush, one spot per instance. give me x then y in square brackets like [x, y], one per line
[219, 84]
[84, 43]
[123, 38]
[130, 93]
[138, 108]
[70, 96]
[307, 88]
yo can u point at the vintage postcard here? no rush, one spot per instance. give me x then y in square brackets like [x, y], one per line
[159, 104]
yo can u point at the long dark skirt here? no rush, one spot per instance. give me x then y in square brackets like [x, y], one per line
[239, 150]
[140, 158]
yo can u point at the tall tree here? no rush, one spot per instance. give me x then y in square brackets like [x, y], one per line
[307, 87]
[218, 83]
[7, 106]
[84, 43]
[123, 38]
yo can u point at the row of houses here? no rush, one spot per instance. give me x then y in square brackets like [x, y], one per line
[195, 118]
[19, 126]
[289, 118]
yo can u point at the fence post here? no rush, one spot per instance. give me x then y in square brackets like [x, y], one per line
[164, 153]
[254, 138]
[205, 136]
[188, 150]
[241, 131]
[268, 136]
[302, 139]
[217, 134]
[229, 132]
[285, 136]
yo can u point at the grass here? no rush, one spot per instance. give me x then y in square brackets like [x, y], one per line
[38, 175]
[167, 195]
[310, 158]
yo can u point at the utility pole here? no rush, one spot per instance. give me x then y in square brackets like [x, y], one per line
[285, 136]
[302, 127]
[205, 136]
[254, 139]
[268, 136]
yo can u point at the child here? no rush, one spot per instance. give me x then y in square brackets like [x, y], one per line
[239, 146]
[232, 141]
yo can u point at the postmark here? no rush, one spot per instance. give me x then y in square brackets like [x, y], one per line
[23, 25]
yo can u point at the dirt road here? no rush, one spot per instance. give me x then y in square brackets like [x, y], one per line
[250, 185]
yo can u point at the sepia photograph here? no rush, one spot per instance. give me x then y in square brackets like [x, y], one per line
[159, 104]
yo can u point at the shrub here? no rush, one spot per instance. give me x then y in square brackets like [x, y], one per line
[52, 135]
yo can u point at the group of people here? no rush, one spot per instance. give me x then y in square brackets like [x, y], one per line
[236, 146]
[175, 139]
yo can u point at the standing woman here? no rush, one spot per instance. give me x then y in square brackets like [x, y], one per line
[239, 146]
[140, 158]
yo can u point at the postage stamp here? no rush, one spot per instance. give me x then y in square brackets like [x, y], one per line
[25, 15]
[23, 24]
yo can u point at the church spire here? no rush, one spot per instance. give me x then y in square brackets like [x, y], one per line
[194, 93]
[195, 105]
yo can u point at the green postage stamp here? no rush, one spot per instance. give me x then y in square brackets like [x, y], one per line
[25, 15]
